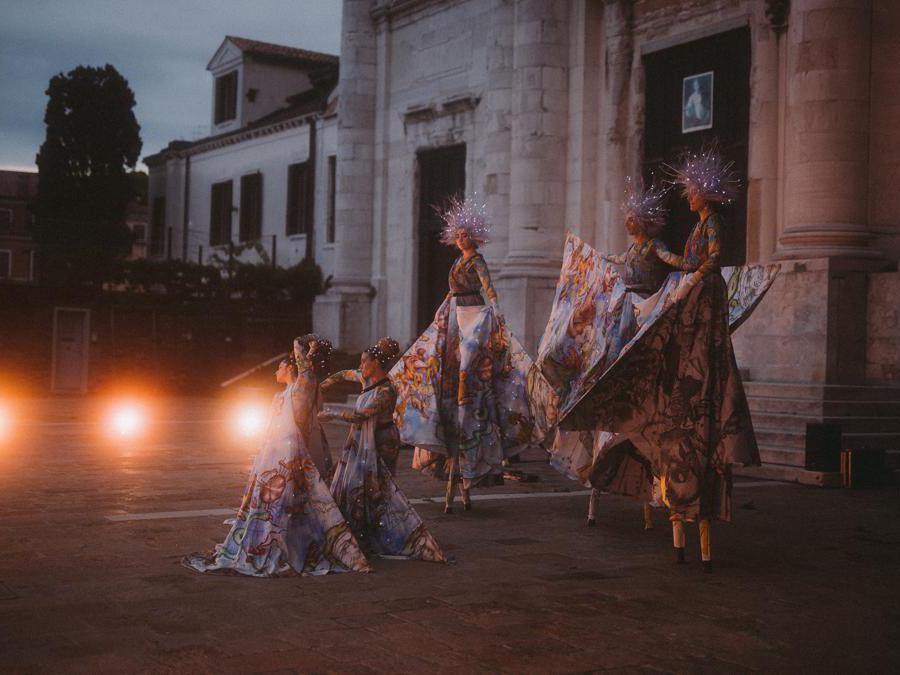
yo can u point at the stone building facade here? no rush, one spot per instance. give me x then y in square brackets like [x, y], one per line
[549, 104]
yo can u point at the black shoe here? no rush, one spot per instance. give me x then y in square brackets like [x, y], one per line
[679, 555]
[448, 509]
[467, 506]
[707, 566]
[591, 522]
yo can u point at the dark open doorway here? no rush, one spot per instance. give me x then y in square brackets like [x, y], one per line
[442, 175]
[696, 93]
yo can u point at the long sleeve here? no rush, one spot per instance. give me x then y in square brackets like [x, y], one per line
[382, 404]
[484, 276]
[664, 254]
[303, 401]
[615, 259]
[343, 376]
[711, 263]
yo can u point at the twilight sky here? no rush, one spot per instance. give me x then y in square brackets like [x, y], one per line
[160, 46]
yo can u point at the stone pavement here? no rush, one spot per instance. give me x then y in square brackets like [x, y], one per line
[805, 579]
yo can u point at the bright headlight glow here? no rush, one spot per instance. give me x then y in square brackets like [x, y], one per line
[249, 419]
[5, 422]
[126, 420]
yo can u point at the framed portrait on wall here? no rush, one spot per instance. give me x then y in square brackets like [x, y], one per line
[697, 102]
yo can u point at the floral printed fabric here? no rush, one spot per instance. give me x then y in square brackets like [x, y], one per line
[288, 522]
[462, 387]
[652, 373]
[379, 514]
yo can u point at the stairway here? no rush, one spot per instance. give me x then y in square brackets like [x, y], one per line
[869, 417]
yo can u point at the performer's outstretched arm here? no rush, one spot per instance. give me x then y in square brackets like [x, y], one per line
[667, 256]
[343, 376]
[382, 404]
[615, 259]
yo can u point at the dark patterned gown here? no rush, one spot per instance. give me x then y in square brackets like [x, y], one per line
[380, 515]
[672, 388]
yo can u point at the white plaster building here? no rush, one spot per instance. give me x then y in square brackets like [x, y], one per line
[265, 175]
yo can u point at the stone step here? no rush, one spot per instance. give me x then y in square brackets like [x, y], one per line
[829, 392]
[816, 409]
[774, 454]
[797, 439]
[790, 474]
[849, 425]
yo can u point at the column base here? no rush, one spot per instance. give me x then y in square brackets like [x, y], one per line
[343, 315]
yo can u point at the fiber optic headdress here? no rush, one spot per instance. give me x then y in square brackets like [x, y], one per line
[385, 351]
[709, 173]
[467, 215]
[646, 206]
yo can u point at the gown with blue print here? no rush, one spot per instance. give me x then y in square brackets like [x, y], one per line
[288, 522]
[462, 384]
[380, 515]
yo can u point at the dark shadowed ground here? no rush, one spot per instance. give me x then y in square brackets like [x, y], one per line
[805, 579]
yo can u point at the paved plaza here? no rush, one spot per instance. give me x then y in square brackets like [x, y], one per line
[92, 532]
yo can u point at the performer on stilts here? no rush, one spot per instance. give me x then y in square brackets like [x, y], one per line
[462, 384]
[306, 400]
[288, 522]
[379, 514]
[669, 403]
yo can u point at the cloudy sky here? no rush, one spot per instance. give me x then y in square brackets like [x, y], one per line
[160, 46]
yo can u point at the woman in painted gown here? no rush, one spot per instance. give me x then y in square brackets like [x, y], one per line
[306, 401]
[644, 270]
[288, 522]
[380, 515]
[673, 390]
[462, 384]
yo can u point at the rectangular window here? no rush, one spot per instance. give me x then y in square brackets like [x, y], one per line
[251, 207]
[158, 226]
[299, 206]
[226, 97]
[220, 214]
[332, 192]
[5, 264]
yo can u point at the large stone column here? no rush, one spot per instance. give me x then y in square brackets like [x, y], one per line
[343, 313]
[537, 166]
[827, 139]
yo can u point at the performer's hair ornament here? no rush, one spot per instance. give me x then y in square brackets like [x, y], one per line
[467, 215]
[707, 172]
[646, 206]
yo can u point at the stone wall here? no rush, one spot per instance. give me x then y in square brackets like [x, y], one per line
[883, 329]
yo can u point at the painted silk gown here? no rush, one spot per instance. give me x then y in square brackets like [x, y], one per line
[644, 272]
[380, 515]
[306, 403]
[462, 384]
[387, 439]
[666, 381]
[288, 522]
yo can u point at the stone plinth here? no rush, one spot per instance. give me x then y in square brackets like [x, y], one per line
[810, 327]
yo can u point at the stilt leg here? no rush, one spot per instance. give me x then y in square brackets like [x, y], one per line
[648, 516]
[593, 503]
[464, 495]
[451, 484]
[678, 537]
[704, 545]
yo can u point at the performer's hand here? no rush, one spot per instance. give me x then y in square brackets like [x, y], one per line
[686, 286]
[326, 415]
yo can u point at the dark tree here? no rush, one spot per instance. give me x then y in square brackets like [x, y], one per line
[84, 188]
